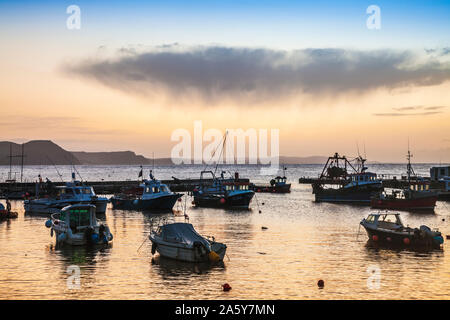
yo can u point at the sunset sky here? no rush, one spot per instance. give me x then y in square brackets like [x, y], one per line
[138, 70]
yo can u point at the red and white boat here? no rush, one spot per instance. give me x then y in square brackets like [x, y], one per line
[417, 197]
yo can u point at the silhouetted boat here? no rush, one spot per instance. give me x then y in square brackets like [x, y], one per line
[388, 229]
[277, 185]
[59, 197]
[180, 241]
[222, 193]
[151, 195]
[417, 197]
[357, 187]
[77, 225]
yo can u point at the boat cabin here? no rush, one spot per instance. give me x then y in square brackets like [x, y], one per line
[278, 181]
[78, 217]
[77, 191]
[154, 187]
[390, 221]
[437, 173]
[363, 178]
[420, 186]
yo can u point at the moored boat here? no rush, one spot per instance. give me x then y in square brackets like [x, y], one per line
[58, 197]
[277, 185]
[151, 195]
[388, 229]
[78, 225]
[417, 197]
[337, 185]
[222, 193]
[180, 241]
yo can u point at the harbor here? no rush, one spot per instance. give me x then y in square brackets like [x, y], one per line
[279, 248]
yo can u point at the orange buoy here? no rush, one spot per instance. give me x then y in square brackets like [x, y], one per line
[179, 200]
[406, 241]
[226, 287]
[375, 237]
[222, 200]
[321, 283]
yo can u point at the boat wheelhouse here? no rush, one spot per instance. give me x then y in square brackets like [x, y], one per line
[78, 225]
[59, 197]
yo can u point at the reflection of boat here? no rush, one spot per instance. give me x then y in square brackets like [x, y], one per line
[277, 185]
[180, 241]
[78, 225]
[357, 187]
[61, 196]
[222, 193]
[388, 229]
[152, 195]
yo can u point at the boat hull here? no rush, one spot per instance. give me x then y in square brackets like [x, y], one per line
[238, 201]
[424, 203]
[163, 203]
[397, 239]
[273, 189]
[183, 253]
[54, 207]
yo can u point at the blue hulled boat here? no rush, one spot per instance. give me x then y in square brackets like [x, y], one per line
[152, 195]
[222, 193]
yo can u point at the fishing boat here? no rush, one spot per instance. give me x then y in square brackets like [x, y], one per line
[58, 197]
[417, 196]
[222, 192]
[388, 229]
[151, 195]
[336, 184]
[78, 225]
[277, 185]
[180, 241]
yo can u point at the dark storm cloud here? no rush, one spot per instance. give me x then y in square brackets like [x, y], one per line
[260, 74]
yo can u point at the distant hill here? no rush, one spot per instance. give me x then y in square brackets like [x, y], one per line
[117, 158]
[46, 152]
[37, 152]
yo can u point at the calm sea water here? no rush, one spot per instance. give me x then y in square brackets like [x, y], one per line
[304, 242]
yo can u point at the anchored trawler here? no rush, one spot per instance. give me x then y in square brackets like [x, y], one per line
[356, 187]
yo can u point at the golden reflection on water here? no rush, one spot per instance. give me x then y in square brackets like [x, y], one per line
[303, 242]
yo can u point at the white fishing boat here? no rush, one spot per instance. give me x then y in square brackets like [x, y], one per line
[59, 197]
[78, 225]
[180, 241]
